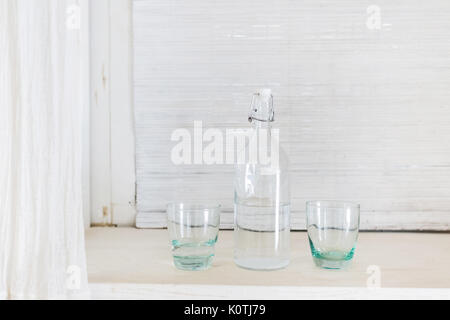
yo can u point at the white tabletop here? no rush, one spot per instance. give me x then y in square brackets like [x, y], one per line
[131, 263]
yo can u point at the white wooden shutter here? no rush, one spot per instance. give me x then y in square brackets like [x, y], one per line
[362, 97]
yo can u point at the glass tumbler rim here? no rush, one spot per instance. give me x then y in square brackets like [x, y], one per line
[195, 214]
[335, 204]
[193, 210]
[193, 206]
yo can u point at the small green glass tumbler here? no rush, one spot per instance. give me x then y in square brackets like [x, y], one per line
[333, 229]
[193, 231]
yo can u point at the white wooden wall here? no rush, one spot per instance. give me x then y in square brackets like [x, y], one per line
[363, 103]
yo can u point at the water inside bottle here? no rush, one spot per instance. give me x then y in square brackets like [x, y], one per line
[262, 236]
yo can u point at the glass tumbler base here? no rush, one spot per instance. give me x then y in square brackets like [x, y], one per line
[193, 263]
[331, 264]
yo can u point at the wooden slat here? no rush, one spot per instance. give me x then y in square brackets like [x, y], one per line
[123, 180]
[100, 113]
[112, 117]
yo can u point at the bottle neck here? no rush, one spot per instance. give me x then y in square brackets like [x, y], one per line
[261, 124]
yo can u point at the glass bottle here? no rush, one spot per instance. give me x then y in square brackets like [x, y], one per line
[262, 195]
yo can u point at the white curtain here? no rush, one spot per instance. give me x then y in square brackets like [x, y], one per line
[42, 253]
